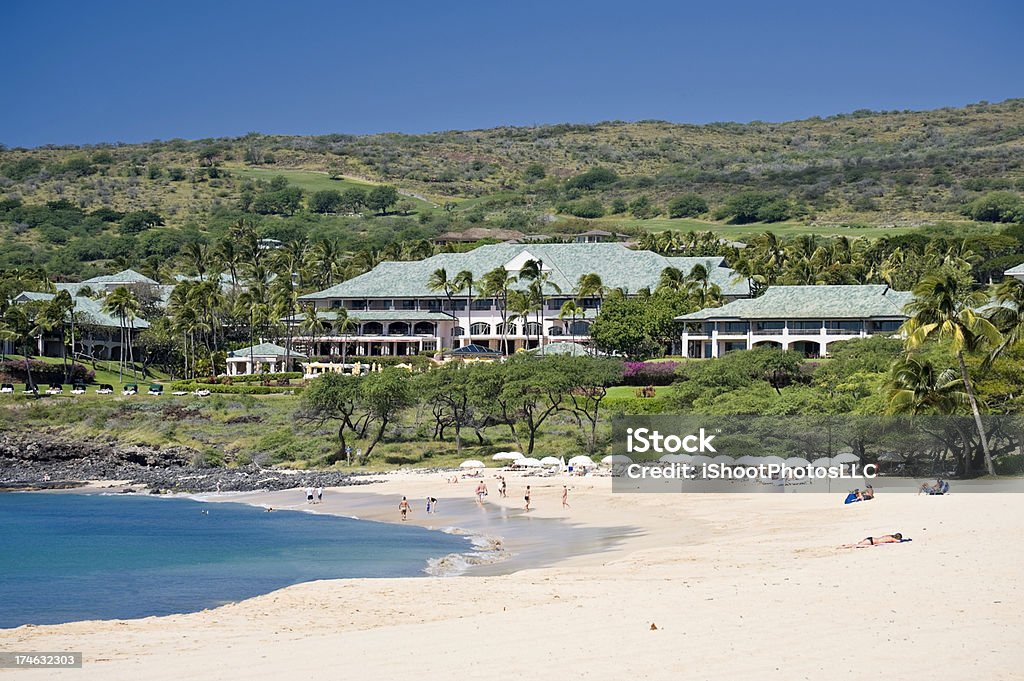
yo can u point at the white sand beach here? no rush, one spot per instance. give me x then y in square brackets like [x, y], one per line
[735, 586]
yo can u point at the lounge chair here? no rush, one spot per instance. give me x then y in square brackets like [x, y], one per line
[202, 392]
[130, 389]
[7, 389]
[30, 390]
[78, 389]
[105, 389]
[155, 389]
[55, 389]
[179, 393]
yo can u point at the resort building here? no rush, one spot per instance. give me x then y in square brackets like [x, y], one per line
[263, 358]
[802, 318]
[97, 333]
[141, 285]
[1016, 272]
[392, 311]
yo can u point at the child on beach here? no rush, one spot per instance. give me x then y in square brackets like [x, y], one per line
[403, 506]
[501, 490]
[319, 494]
[527, 497]
[431, 505]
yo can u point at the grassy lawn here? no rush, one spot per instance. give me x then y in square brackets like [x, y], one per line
[106, 372]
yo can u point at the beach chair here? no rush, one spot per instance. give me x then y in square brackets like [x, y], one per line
[130, 389]
[55, 389]
[78, 389]
[155, 389]
[202, 392]
[7, 389]
[179, 393]
[30, 390]
[105, 389]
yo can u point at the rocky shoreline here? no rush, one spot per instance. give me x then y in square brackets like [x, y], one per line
[33, 461]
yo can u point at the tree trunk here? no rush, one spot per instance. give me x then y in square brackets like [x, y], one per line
[989, 465]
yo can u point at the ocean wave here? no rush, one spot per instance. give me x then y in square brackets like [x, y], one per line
[486, 551]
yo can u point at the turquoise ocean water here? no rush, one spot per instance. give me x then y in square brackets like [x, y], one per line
[67, 557]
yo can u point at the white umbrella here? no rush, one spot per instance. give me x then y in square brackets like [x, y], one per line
[748, 460]
[823, 462]
[675, 458]
[845, 458]
[471, 463]
[529, 462]
[581, 460]
[550, 461]
[700, 460]
[507, 456]
[724, 460]
[796, 462]
[769, 460]
[616, 458]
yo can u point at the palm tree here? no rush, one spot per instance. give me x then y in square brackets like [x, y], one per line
[198, 255]
[60, 310]
[589, 286]
[326, 261]
[917, 387]
[944, 307]
[671, 279]
[572, 310]
[123, 304]
[464, 282]
[312, 324]
[344, 325]
[533, 271]
[230, 258]
[18, 328]
[496, 284]
[520, 306]
[439, 281]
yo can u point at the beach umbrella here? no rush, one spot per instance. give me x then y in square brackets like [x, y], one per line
[823, 462]
[724, 460]
[471, 463]
[550, 461]
[581, 460]
[700, 460]
[529, 462]
[675, 458]
[845, 458]
[748, 460]
[796, 462]
[769, 460]
[507, 456]
[616, 458]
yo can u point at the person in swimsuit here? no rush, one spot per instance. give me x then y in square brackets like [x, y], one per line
[565, 496]
[895, 538]
[501, 490]
[527, 497]
[404, 507]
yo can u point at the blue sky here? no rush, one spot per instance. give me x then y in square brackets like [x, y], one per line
[78, 72]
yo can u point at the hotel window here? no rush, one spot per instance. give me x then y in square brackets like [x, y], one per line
[844, 326]
[769, 327]
[534, 329]
[458, 305]
[483, 304]
[480, 329]
[733, 327]
[406, 304]
[804, 325]
[356, 304]
[887, 326]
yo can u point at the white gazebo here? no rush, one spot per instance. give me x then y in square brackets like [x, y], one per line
[259, 358]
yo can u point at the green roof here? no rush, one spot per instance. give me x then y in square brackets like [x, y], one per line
[618, 267]
[265, 350]
[122, 277]
[813, 302]
[87, 310]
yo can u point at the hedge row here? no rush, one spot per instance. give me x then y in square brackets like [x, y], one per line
[191, 386]
[250, 378]
[13, 370]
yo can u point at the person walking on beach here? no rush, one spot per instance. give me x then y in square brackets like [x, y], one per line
[527, 497]
[565, 496]
[502, 491]
[481, 492]
[319, 494]
[431, 505]
[309, 495]
[403, 506]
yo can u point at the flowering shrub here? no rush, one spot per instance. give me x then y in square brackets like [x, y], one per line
[13, 370]
[649, 373]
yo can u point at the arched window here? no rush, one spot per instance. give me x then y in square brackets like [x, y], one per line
[398, 329]
[555, 331]
[373, 329]
[534, 329]
[423, 328]
[458, 331]
[511, 329]
[480, 329]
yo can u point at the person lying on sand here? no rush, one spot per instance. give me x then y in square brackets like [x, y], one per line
[895, 538]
